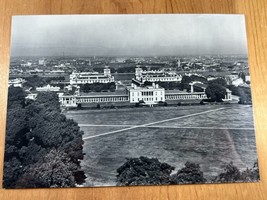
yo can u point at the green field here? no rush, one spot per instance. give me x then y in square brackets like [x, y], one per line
[208, 135]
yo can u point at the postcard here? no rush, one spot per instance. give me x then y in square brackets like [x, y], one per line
[126, 100]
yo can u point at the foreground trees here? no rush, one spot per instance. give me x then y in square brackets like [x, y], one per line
[233, 174]
[144, 171]
[150, 171]
[36, 134]
[52, 170]
[191, 173]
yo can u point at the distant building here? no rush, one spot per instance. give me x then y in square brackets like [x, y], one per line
[31, 96]
[73, 97]
[247, 78]
[147, 94]
[232, 76]
[198, 85]
[91, 77]
[57, 72]
[48, 88]
[210, 77]
[237, 82]
[28, 64]
[201, 88]
[138, 92]
[18, 82]
[156, 76]
[42, 62]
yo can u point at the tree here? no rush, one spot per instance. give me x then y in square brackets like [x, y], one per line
[243, 92]
[12, 171]
[49, 100]
[53, 170]
[231, 174]
[185, 82]
[36, 81]
[144, 171]
[215, 92]
[16, 96]
[251, 174]
[191, 173]
[33, 130]
[112, 88]
[242, 75]
[219, 81]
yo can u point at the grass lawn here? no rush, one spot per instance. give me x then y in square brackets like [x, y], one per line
[174, 141]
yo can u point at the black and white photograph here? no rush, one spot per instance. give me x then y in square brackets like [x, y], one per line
[129, 100]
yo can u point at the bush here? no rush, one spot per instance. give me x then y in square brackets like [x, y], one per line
[251, 174]
[191, 173]
[231, 174]
[53, 170]
[144, 171]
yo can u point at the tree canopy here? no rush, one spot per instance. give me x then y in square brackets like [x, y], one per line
[150, 171]
[144, 171]
[218, 81]
[98, 87]
[33, 131]
[215, 92]
[191, 173]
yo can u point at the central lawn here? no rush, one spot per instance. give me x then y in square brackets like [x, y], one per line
[211, 148]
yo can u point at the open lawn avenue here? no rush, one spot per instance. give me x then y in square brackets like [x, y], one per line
[210, 135]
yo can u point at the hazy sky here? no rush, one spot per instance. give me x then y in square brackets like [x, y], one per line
[128, 35]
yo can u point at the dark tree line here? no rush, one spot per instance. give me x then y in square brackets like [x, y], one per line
[40, 141]
[37, 81]
[101, 69]
[216, 90]
[243, 93]
[150, 171]
[98, 87]
[127, 69]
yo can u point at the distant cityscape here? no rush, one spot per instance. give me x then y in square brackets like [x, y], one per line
[131, 80]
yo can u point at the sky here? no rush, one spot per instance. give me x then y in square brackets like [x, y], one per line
[128, 35]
